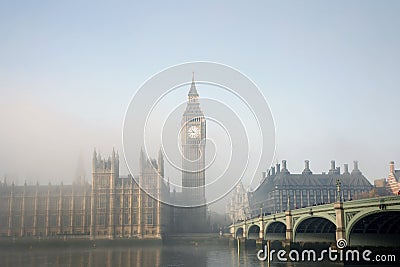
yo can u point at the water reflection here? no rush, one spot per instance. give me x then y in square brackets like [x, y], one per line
[147, 255]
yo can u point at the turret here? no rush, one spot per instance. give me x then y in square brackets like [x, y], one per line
[115, 163]
[109, 165]
[94, 160]
[80, 171]
[141, 160]
[161, 162]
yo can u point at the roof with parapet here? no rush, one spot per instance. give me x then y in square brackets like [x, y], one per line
[310, 181]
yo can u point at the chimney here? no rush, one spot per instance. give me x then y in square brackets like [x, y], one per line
[273, 170]
[307, 167]
[284, 169]
[278, 168]
[333, 168]
[346, 169]
[355, 169]
[391, 167]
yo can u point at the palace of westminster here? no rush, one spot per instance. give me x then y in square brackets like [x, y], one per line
[113, 206]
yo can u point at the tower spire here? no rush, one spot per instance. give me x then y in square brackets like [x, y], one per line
[193, 95]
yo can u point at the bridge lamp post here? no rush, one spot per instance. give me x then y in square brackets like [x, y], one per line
[245, 228]
[338, 189]
[234, 224]
[275, 198]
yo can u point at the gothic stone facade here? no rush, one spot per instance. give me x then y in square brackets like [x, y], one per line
[238, 207]
[111, 207]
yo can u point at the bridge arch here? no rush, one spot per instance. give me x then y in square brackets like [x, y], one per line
[239, 232]
[300, 219]
[374, 228]
[275, 230]
[269, 222]
[310, 228]
[253, 232]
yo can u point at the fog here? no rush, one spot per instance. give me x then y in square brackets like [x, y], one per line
[41, 144]
[330, 72]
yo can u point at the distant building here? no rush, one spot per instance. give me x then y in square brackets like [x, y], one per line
[80, 176]
[393, 181]
[381, 187]
[238, 207]
[111, 207]
[280, 190]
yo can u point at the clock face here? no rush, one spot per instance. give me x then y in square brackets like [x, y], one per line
[193, 132]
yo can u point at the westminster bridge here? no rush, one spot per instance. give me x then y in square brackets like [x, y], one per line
[373, 222]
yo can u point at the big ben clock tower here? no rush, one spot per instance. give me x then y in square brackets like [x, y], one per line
[193, 141]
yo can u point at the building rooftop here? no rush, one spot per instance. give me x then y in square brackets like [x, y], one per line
[282, 179]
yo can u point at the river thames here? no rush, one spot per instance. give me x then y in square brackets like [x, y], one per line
[138, 255]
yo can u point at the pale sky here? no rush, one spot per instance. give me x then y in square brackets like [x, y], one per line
[68, 69]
